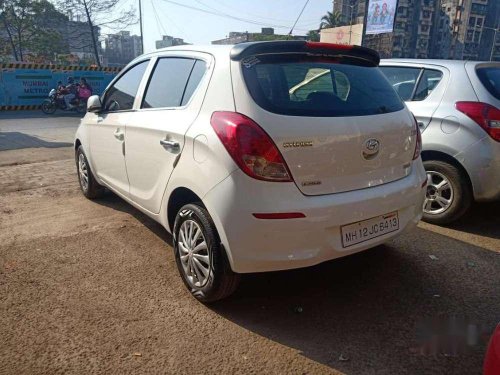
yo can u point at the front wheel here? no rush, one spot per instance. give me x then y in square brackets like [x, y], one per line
[200, 256]
[90, 188]
[448, 195]
[48, 107]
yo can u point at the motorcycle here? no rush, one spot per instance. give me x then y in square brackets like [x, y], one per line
[56, 101]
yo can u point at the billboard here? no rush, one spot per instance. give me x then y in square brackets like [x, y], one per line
[380, 16]
[343, 35]
[21, 86]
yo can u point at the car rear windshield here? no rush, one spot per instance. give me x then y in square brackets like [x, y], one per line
[299, 85]
[490, 78]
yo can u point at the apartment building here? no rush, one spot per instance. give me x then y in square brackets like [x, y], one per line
[121, 48]
[169, 41]
[345, 7]
[448, 29]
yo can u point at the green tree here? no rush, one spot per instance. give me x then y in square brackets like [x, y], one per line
[332, 19]
[313, 35]
[31, 27]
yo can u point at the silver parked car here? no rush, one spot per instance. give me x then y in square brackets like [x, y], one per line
[457, 106]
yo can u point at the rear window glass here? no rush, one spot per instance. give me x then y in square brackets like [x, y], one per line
[319, 87]
[490, 78]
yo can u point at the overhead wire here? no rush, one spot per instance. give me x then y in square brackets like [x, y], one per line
[159, 24]
[226, 15]
[249, 13]
[171, 21]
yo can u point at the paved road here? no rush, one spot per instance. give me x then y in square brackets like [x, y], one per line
[34, 129]
[92, 286]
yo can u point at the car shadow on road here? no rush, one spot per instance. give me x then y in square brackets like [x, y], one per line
[113, 201]
[17, 140]
[483, 219]
[366, 307]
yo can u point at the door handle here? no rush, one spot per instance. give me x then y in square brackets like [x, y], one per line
[119, 135]
[420, 124]
[173, 146]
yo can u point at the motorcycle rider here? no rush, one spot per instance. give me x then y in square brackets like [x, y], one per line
[84, 89]
[71, 90]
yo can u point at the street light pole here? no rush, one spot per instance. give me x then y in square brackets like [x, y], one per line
[494, 44]
[494, 38]
[140, 23]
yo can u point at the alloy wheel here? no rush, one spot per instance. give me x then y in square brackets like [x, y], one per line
[83, 172]
[439, 194]
[194, 254]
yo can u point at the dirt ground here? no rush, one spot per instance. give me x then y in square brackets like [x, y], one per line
[92, 287]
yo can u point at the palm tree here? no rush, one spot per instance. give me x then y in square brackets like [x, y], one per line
[313, 35]
[331, 19]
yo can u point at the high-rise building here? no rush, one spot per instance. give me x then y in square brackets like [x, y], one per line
[78, 37]
[351, 10]
[121, 48]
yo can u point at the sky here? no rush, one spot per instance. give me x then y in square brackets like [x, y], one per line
[198, 27]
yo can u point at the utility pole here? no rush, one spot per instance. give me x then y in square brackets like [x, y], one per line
[350, 23]
[140, 23]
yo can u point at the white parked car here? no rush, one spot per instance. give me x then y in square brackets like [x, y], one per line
[251, 164]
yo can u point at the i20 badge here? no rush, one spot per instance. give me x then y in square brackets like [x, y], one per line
[371, 148]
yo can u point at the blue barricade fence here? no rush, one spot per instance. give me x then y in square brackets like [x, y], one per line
[25, 86]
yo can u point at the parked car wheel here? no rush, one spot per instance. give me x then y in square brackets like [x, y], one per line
[90, 188]
[448, 195]
[48, 107]
[200, 256]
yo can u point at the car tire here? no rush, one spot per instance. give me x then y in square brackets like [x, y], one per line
[89, 186]
[204, 269]
[455, 189]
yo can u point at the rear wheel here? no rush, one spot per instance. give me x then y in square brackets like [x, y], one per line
[200, 256]
[448, 195]
[48, 107]
[90, 188]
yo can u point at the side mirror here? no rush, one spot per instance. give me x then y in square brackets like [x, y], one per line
[94, 104]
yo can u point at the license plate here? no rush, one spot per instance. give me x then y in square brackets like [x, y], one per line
[365, 230]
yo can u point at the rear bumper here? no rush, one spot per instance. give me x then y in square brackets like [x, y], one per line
[256, 245]
[482, 162]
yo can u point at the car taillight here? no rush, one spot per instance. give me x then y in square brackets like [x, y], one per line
[485, 115]
[250, 147]
[418, 144]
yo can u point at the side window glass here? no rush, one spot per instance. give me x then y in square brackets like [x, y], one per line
[403, 80]
[121, 95]
[194, 80]
[168, 82]
[428, 82]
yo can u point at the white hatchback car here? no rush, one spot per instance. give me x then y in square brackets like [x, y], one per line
[251, 163]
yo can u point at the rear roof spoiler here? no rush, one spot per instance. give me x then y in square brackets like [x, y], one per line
[243, 50]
